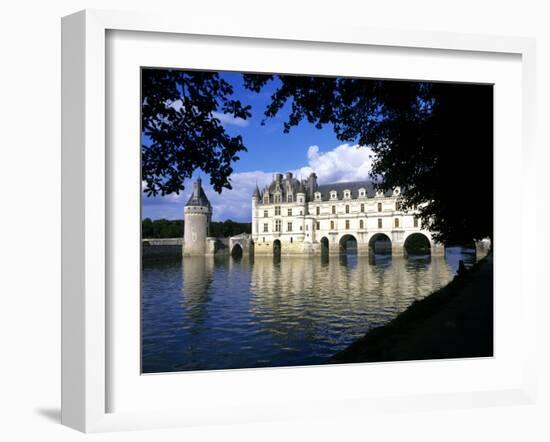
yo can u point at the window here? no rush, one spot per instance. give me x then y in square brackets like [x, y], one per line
[333, 195]
[396, 222]
[347, 194]
[318, 210]
[277, 210]
[277, 199]
[277, 225]
[289, 198]
[380, 207]
[347, 224]
[263, 238]
[317, 196]
[265, 213]
[318, 225]
[362, 207]
[291, 239]
[347, 208]
[361, 224]
[307, 227]
[415, 221]
[266, 199]
[265, 227]
[379, 223]
[333, 210]
[332, 225]
[289, 212]
[289, 227]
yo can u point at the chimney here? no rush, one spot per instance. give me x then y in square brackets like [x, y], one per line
[312, 184]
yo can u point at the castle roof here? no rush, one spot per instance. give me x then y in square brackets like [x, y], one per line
[256, 192]
[352, 186]
[198, 197]
[288, 184]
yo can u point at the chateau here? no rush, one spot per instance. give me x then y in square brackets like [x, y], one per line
[301, 217]
[292, 216]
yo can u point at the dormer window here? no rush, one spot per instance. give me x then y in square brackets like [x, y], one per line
[277, 198]
[396, 191]
[266, 199]
[289, 198]
[333, 195]
[317, 196]
[379, 193]
[347, 194]
[362, 193]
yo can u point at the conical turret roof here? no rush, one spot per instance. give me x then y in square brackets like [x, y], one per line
[198, 197]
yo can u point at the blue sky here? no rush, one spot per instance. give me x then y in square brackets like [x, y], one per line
[301, 151]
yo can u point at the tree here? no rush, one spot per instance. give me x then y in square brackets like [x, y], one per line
[163, 228]
[433, 140]
[181, 131]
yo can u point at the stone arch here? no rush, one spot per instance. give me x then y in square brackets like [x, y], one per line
[277, 247]
[380, 243]
[237, 250]
[325, 245]
[417, 243]
[348, 243]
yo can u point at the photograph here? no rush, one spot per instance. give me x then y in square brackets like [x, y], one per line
[298, 220]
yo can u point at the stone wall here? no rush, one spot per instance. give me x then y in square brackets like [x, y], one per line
[161, 248]
[217, 246]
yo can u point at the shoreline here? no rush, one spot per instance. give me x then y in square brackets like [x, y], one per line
[455, 321]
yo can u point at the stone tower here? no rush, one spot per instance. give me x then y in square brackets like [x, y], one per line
[198, 213]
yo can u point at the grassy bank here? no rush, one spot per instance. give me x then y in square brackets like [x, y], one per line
[453, 322]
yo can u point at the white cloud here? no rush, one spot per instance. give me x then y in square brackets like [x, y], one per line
[228, 119]
[341, 164]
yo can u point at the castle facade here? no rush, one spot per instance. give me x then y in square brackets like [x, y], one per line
[292, 216]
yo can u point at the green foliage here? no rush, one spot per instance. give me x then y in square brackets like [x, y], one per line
[163, 228]
[434, 140]
[180, 131]
[229, 228]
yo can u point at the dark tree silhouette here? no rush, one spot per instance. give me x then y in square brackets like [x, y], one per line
[180, 131]
[163, 228]
[434, 140]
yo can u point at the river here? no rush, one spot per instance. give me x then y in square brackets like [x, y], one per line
[204, 313]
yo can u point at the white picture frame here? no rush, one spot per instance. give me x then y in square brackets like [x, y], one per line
[86, 314]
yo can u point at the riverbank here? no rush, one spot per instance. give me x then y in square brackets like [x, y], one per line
[454, 322]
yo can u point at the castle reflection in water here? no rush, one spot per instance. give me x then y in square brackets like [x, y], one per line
[206, 312]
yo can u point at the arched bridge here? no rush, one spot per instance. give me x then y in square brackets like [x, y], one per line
[396, 242]
[240, 244]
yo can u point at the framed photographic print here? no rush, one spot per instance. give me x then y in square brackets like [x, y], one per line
[265, 222]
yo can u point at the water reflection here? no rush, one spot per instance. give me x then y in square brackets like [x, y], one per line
[215, 313]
